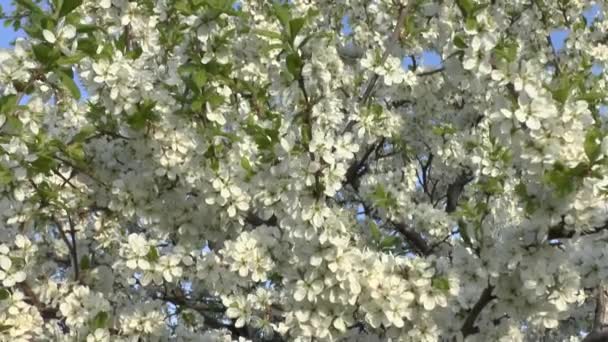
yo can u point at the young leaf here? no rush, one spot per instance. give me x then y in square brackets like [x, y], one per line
[294, 63]
[68, 6]
[99, 321]
[69, 84]
[4, 294]
[152, 255]
[282, 13]
[29, 4]
[295, 25]
[592, 144]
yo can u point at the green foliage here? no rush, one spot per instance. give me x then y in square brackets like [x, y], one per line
[68, 6]
[441, 283]
[382, 198]
[100, 321]
[460, 42]
[142, 116]
[152, 255]
[294, 64]
[507, 50]
[85, 263]
[69, 84]
[246, 165]
[8, 103]
[565, 180]
[46, 54]
[5, 175]
[593, 143]
[4, 294]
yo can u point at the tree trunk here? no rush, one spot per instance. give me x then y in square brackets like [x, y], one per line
[600, 322]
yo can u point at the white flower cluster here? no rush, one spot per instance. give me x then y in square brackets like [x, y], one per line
[297, 171]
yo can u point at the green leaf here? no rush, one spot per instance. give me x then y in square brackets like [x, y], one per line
[5, 175]
[135, 52]
[69, 84]
[76, 152]
[88, 46]
[470, 23]
[389, 242]
[84, 134]
[246, 165]
[45, 53]
[152, 255]
[460, 42]
[198, 103]
[68, 6]
[69, 60]
[294, 64]
[466, 7]
[268, 34]
[43, 164]
[593, 143]
[100, 320]
[507, 50]
[142, 116]
[492, 185]
[383, 198]
[85, 28]
[593, 96]
[4, 294]
[8, 103]
[521, 190]
[85, 263]
[561, 89]
[295, 25]
[29, 4]
[200, 78]
[282, 13]
[565, 180]
[441, 283]
[4, 327]
[478, 8]
[375, 231]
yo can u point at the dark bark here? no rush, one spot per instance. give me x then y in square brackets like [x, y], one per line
[455, 190]
[414, 238]
[468, 327]
[600, 321]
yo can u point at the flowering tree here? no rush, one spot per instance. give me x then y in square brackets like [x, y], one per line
[250, 171]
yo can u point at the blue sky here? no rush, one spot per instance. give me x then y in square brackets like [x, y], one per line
[7, 34]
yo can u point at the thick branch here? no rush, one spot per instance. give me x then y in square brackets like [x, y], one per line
[468, 327]
[559, 231]
[455, 189]
[600, 321]
[414, 238]
[355, 169]
[46, 312]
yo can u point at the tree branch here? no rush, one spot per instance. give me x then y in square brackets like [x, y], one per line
[559, 231]
[46, 312]
[394, 37]
[71, 246]
[353, 172]
[468, 327]
[414, 238]
[455, 189]
[600, 322]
